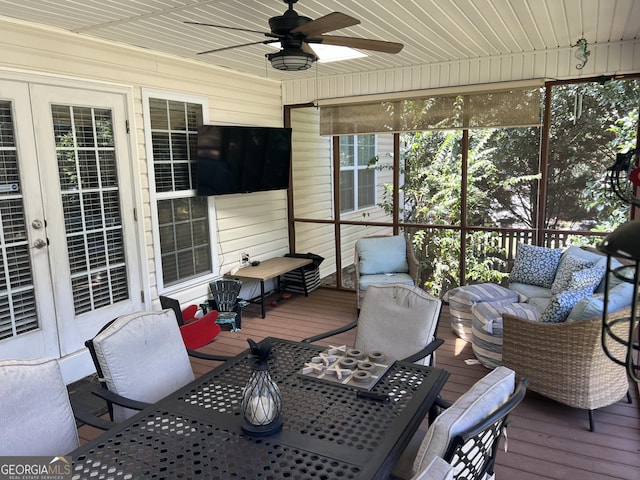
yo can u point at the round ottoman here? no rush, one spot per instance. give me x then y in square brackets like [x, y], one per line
[461, 299]
[486, 328]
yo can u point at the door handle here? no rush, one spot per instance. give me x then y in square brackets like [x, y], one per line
[39, 243]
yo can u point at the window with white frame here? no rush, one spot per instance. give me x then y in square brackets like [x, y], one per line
[183, 221]
[357, 177]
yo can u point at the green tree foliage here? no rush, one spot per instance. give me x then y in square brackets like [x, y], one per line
[432, 192]
[589, 123]
[583, 144]
[514, 154]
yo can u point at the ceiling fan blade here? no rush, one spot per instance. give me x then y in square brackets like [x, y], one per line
[307, 49]
[361, 43]
[328, 23]
[268, 34]
[265, 42]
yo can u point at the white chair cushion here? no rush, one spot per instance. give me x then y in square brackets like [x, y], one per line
[485, 397]
[384, 279]
[398, 320]
[382, 255]
[143, 357]
[35, 412]
[438, 469]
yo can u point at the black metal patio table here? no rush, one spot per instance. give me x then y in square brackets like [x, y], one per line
[329, 431]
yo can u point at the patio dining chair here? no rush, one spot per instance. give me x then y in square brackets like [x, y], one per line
[399, 320]
[467, 434]
[139, 359]
[35, 411]
[225, 294]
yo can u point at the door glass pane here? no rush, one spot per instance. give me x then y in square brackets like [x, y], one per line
[17, 299]
[91, 206]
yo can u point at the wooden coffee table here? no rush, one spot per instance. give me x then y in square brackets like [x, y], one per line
[272, 268]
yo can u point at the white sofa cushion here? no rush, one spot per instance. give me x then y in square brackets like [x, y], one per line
[539, 303]
[529, 291]
[620, 296]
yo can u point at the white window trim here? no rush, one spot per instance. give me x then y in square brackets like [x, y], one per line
[354, 168]
[148, 93]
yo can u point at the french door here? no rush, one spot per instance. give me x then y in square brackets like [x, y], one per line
[68, 248]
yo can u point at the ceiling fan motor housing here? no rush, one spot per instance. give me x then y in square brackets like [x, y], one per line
[283, 24]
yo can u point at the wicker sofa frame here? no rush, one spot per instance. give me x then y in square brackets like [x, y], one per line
[566, 362]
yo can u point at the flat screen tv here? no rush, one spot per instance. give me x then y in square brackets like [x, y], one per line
[235, 159]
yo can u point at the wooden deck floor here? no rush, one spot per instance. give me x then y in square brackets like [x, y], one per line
[546, 440]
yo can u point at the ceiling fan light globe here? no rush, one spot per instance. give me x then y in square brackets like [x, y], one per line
[291, 60]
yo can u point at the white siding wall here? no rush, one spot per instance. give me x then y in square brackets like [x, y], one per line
[312, 187]
[255, 223]
[609, 59]
[313, 194]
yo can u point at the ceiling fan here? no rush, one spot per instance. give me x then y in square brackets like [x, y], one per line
[295, 32]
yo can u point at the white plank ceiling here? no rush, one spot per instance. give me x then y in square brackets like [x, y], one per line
[432, 31]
